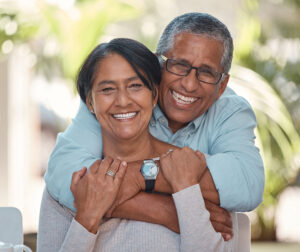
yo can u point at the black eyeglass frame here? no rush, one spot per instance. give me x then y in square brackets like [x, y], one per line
[166, 60]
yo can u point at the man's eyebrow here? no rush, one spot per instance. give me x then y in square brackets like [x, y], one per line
[204, 66]
[182, 60]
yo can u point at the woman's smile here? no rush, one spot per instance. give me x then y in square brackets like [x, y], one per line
[125, 116]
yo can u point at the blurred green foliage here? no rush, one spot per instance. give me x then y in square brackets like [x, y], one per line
[264, 45]
[62, 38]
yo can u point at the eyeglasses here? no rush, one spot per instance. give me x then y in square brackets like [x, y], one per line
[203, 74]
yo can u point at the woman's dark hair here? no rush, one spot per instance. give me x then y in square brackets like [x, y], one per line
[143, 61]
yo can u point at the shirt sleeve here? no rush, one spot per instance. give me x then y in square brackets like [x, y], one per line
[59, 231]
[234, 161]
[196, 230]
[80, 145]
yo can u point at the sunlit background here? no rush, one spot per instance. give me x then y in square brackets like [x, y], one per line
[43, 43]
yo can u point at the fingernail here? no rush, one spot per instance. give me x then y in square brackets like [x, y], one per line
[124, 163]
[228, 237]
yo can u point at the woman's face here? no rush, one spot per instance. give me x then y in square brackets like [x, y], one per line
[120, 100]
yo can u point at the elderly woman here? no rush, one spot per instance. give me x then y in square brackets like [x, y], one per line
[118, 83]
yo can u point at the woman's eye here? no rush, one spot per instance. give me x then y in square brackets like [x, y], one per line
[107, 90]
[135, 86]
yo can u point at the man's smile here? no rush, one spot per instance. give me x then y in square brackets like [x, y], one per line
[183, 99]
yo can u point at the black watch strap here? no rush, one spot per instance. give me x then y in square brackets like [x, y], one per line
[149, 185]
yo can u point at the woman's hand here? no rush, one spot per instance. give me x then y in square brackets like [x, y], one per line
[95, 191]
[183, 167]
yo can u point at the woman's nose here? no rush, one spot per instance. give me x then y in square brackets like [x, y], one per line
[123, 98]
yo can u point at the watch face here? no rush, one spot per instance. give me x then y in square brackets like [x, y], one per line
[149, 169]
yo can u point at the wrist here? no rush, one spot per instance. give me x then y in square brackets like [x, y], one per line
[90, 223]
[134, 168]
[176, 187]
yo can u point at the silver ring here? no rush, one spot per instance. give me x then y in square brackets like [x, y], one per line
[169, 151]
[110, 173]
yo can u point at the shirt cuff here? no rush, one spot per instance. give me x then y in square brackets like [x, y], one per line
[79, 238]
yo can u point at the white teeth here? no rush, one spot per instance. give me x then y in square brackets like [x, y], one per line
[124, 116]
[183, 99]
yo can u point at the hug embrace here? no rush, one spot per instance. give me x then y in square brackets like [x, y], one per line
[161, 153]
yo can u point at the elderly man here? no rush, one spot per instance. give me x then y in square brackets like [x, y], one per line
[196, 109]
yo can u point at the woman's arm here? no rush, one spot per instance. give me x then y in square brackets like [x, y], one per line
[143, 206]
[94, 192]
[196, 231]
[59, 231]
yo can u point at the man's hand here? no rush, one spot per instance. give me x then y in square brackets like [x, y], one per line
[220, 220]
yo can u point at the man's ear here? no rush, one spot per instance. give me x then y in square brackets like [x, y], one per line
[89, 104]
[223, 85]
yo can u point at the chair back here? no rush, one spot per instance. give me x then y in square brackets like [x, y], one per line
[244, 233]
[11, 227]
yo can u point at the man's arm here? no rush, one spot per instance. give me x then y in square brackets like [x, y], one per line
[129, 201]
[79, 146]
[234, 161]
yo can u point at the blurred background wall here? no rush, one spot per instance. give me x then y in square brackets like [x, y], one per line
[43, 43]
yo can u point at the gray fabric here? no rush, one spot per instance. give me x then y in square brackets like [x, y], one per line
[59, 231]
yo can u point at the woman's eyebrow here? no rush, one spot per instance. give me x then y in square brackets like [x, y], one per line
[105, 82]
[133, 78]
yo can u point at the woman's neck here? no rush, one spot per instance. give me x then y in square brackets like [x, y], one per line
[139, 148]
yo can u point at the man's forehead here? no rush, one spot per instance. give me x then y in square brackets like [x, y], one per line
[189, 47]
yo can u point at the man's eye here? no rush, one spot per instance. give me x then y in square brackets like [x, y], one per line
[206, 72]
[181, 65]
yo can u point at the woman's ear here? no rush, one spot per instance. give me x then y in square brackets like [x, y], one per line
[156, 96]
[89, 104]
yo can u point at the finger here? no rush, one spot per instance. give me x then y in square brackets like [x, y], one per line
[77, 176]
[222, 219]
[200, 155]
[218, 214]
[114, 167]
[226, 237]
[105, 164]
[95, 166]
[120, 173]
[220, 228]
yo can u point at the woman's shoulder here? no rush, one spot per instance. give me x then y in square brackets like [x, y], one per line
[163, 147]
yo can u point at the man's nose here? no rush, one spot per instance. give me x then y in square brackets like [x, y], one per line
[190, 82]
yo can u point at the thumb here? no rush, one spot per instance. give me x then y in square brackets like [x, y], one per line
[77, 176]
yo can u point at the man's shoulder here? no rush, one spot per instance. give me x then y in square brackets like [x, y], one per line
[228, 104]
[230, 100]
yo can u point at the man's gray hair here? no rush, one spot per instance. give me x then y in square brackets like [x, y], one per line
[200, 24]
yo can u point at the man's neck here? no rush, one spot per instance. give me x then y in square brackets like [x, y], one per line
[175, 126]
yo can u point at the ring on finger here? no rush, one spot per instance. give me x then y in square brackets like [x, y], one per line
[110, 173]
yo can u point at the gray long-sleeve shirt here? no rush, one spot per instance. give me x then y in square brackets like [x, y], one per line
[59, 231]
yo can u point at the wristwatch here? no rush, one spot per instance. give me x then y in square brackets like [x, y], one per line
[149, 171]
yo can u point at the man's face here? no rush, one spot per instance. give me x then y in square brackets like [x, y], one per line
[184, 98]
